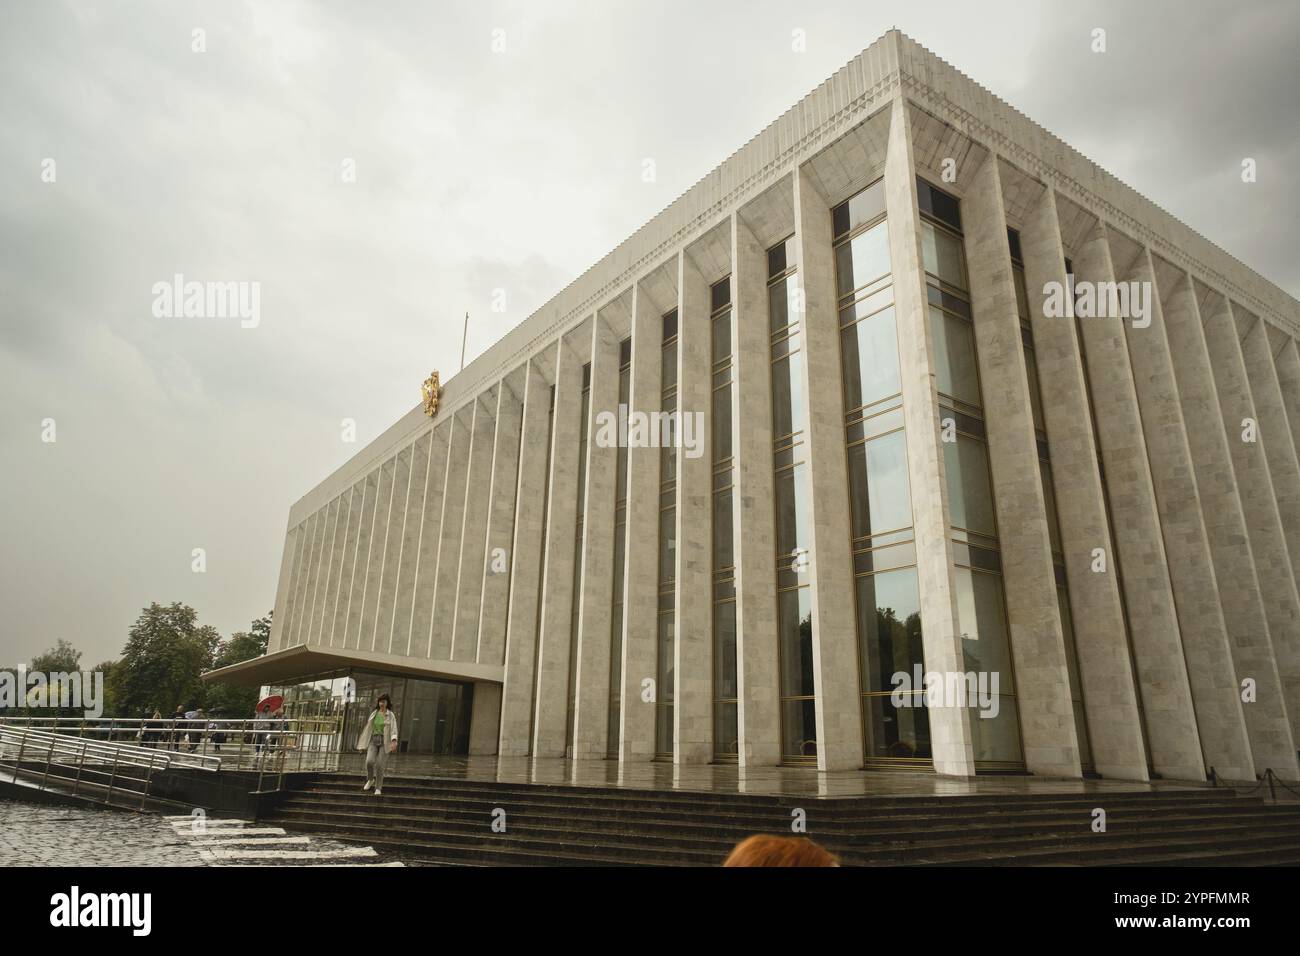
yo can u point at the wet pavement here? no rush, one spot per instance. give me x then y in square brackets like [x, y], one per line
[730, 778]
[44, 835]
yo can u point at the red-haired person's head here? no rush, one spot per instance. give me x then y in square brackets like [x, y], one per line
[764, 849]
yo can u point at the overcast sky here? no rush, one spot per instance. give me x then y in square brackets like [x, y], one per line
[475, 170]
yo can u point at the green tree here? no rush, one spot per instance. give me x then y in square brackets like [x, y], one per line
[112, 689]
[62, 658]
[261, 629]
[231, 700]
[165, 654]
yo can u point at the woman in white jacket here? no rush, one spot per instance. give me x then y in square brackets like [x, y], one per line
[378, 739]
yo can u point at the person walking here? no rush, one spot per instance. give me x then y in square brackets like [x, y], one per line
[261, 727]
[378, 739]
[177, 736]
[216, 732]
[198, 723]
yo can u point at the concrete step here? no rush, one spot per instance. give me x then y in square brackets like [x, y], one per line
[479, 845]
[475, 808]
[449, 821]
[1150, 850]
[568, 791]
[1077, 844]
[950, 845]
[433, 793]
[732, 824]
[507, 849]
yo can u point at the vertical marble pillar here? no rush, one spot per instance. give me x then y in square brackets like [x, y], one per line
[754, 532]
[950, 731]
[1105, 662]
[1037, 642]
[834, 627]
[693, 644]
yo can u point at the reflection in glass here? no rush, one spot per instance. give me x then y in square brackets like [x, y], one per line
[799, 729]
[889, 622]
[897, 732]
[870, 357]
[722, 423]
[792, 523]
[783, 302]
[863, 259]
[970, 499]
[723, 541]
[878, 485]
[794, 612]
[996, 739]
[725, 684]
[787, 396]
[941, 251]
[667, 544]
[794, 632]
[954, 357]
[982, 619]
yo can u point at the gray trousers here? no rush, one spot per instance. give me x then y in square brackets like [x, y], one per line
[376, 760]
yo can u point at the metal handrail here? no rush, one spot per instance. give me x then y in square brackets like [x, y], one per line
[125, 753]
[77, 750]
[270, 746]
[85, 756]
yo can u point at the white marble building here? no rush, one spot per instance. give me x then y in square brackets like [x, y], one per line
[909, 460]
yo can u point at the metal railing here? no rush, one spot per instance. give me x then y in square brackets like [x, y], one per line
[58, 763]
[269, 746]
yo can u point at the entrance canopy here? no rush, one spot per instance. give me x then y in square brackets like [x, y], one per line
[304, 661]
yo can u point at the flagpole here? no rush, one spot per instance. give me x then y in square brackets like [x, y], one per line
[464, 333]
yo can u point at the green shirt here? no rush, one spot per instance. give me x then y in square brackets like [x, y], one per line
[377, 726]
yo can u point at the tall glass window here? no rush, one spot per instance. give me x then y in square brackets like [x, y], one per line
[726, 726]
[789, 417]
[667, 542]
[884, 551]
[981, 606]
[1049, 500]
[620, 550]
[577, 553]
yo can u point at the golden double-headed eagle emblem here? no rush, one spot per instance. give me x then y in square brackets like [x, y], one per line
[431, 389]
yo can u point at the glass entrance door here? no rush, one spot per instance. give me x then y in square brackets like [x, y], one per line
[432, 715]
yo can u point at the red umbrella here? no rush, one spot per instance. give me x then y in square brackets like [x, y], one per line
[270, 704]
